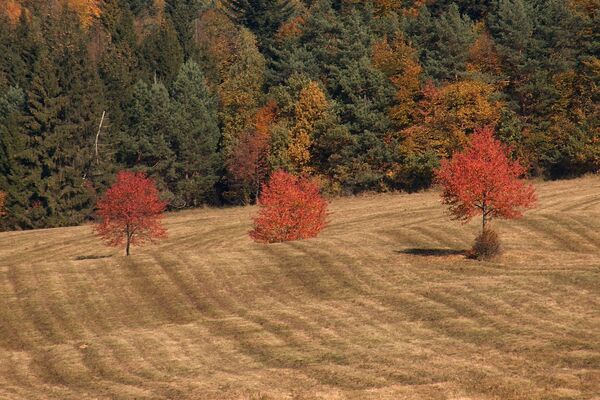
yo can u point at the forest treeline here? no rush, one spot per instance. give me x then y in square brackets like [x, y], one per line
[210, 97]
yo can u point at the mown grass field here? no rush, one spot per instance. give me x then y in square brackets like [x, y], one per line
[383, 305]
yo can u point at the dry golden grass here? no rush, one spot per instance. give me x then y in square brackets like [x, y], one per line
[383, 305]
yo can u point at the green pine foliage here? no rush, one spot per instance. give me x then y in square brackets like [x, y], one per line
[262, 17]
[198, 134]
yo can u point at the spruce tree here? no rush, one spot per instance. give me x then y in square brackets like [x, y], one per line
[444, 42]
[54, 191]
[262, 17]
[198, 135]
[148, 131]
[12, 103]
[161, 53]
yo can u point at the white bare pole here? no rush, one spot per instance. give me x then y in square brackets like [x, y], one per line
[98, 134]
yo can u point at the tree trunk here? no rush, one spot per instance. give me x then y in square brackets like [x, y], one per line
[128, 235]
[483, 214]
[483, 221]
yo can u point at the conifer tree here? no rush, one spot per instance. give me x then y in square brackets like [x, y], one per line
[195, 147]
[161, 53]
[148, 132]
[12, 103]
[262, 17]
[54, 190]
[444, 42]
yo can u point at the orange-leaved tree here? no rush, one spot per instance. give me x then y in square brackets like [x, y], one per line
[484, 180]
[131, 211]
[249, 161]
[399, 62]
[290, 208]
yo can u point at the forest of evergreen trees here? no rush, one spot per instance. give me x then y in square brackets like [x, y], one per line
[209, 97]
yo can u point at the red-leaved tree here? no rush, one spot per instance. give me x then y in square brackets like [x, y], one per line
[249, 163]
[249, 160]
[484, 180]
[290, 208]
[131, 211]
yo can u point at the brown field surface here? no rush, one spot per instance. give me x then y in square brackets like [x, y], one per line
[383, 305]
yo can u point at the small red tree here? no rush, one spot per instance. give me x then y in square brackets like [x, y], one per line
[131, 211]
[482, 179]
[291, 208]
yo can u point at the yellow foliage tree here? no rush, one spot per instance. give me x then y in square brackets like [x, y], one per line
[398, 61]
[449, 114]
[87, 10]
[240, 89]
[312, 106]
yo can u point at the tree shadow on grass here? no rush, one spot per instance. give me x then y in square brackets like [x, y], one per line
[433, 252]
[92, 257]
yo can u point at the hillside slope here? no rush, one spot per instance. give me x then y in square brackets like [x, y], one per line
[382, 306]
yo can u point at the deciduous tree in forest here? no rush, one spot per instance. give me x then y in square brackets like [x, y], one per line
[249, 162]
[87, 10]
[290, 208]
[399, 62]
[240, 90]
[12, 9]
[483, 180]
[448, 115]
[483, 56]
[131, 211]
[312, 105]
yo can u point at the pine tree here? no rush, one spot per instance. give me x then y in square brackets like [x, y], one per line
[148, 133]
[183, 13]
[54, 191]
[118, 65]
[12, 103]
[444, 43]
[262, 17]
[161, 53]
[18, 52]
[512, 28]
[198, 162]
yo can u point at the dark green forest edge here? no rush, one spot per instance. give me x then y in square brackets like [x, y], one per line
[210, 97]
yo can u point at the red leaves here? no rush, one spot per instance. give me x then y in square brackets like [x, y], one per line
[249, 163]
[131, 211]
[482, 179]
[291, 208]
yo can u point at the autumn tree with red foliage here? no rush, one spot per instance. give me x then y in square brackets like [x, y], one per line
[291, 208]
[249, 162]
[131, 211]
[483, 180]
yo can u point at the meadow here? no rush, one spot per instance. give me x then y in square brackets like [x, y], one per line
[382, 305]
